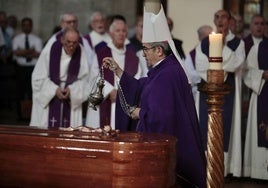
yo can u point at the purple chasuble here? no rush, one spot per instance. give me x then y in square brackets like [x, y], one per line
[228, 99]
[59, 35]
[131, 67]
[262, 113]
[60, 110]
[248, 43]
[167, 107]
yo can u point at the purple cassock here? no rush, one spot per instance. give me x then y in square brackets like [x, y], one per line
[248, 43]
[167, 106]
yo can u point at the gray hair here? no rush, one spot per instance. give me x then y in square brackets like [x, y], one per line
[164, 45]
[203, 31]
[92, 17]
[115, 18]
[62, 16]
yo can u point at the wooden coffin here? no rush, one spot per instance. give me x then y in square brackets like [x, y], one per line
[32, 157]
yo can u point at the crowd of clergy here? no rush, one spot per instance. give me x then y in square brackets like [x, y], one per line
[58, 78]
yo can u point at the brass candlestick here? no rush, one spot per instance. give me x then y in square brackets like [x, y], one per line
[215, 89]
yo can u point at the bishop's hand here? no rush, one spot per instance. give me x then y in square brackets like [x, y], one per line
[109, 62]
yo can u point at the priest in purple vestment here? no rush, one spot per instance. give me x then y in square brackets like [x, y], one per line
[256, 79]
[163, 101]
[124, 52]
[59, 83]
[233, 54]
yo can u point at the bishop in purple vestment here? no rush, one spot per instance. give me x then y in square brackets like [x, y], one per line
[166, 106]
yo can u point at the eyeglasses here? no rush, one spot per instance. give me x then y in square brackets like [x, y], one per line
[98, 21]
[145, 49]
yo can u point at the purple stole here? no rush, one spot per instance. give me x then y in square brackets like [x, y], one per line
[131, 67]
[262, 115]
[192, 54]
[59, 35]
[248, 43]
[87, 37]
[228, 99]
[60, 110]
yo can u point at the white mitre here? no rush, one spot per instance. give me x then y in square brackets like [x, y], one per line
[155, 29]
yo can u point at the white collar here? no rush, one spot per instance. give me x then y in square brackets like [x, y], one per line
[111, 45]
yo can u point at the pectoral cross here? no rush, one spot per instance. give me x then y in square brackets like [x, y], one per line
[264, 127]
[53, 120]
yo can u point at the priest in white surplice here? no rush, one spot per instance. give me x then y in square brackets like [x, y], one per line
[124, 53]
[233, 55]
[98, 33]
[59, 83]
[256, 78]
[70, 20]
[256, 147]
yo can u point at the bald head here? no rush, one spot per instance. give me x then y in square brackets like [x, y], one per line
[70, 40]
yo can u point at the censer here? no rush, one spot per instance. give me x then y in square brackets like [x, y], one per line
[96, 97]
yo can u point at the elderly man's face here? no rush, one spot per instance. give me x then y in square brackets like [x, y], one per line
[70, 42]
[69, 21]
[221, 21]
[257, 27]
[118, 32]
[98, 24]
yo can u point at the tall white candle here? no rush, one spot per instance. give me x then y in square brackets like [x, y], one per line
[215, 51]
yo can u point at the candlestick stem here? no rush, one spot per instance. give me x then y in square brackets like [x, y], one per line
[215, 89]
